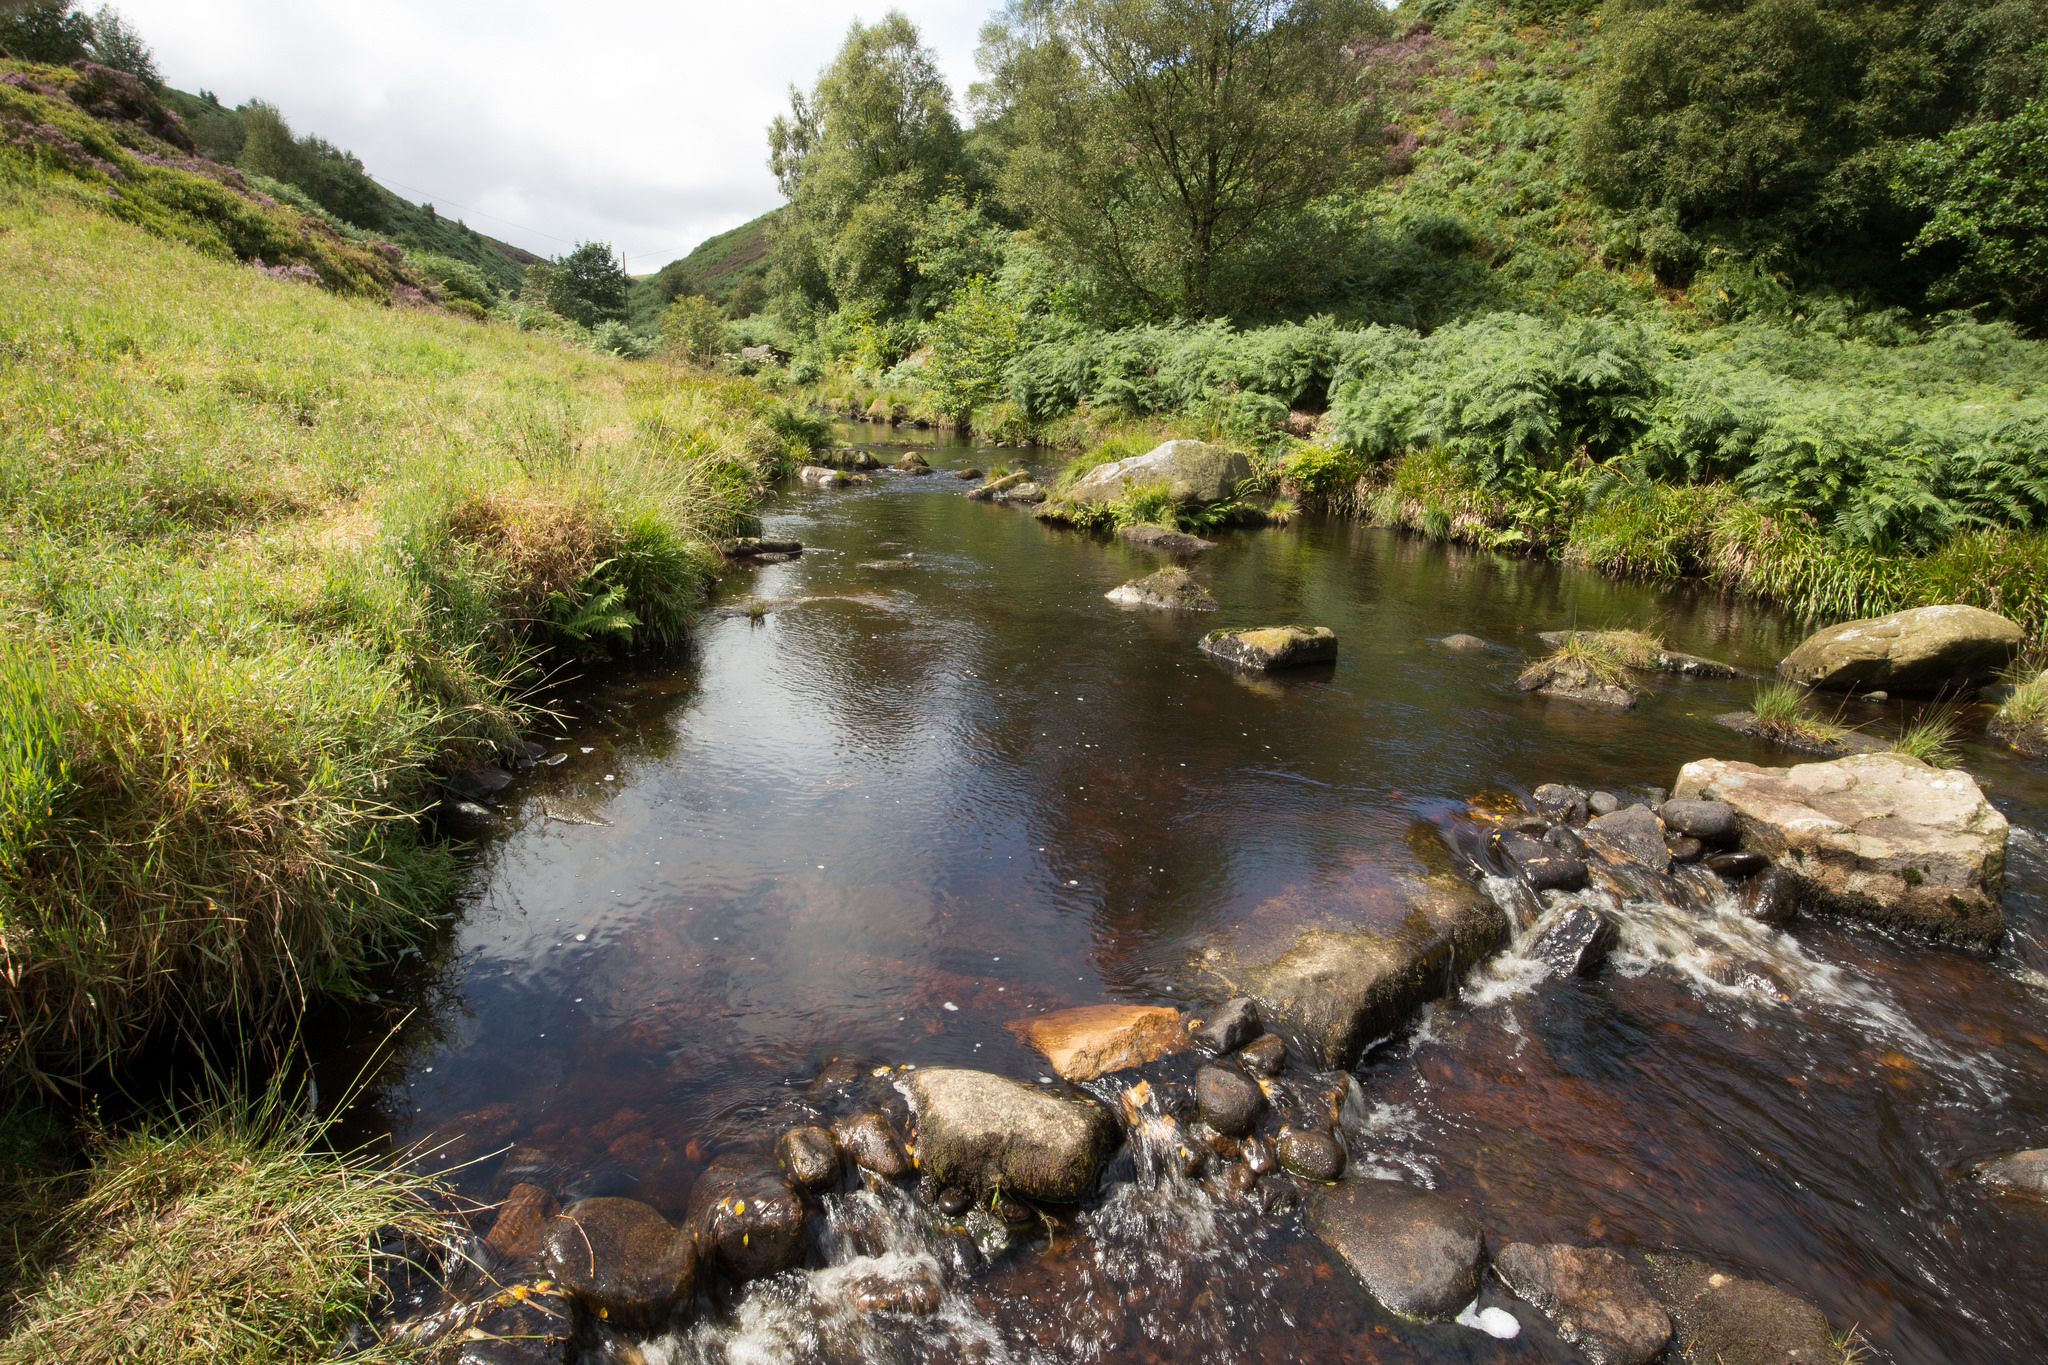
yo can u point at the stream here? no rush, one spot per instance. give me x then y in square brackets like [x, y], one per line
[935, 784]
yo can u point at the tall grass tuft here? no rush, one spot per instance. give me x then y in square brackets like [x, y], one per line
[1780, 709]
[1933, 736]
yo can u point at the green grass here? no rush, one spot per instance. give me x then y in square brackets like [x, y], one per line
[1780, 709]
[1933, 736]
[273, 560]
[228, 1233]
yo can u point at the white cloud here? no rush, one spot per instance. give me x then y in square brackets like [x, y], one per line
[628, 121]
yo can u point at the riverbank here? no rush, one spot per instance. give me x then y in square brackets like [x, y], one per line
[282, 572]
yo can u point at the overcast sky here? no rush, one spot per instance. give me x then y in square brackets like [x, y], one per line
[629, 121]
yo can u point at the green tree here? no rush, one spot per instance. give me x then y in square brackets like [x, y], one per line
[858, 158]
[332, 178]
[44, 30]
[1192, 157]
[749, 296]
[973, 340]
[588, 286]
[693, 329]
[1985, 190]
[115, 43]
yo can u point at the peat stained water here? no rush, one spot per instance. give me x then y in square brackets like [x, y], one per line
[941, 784]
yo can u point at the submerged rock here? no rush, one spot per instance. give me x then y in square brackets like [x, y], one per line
[1094, 1040]
[747, 547]
[1574, 941]
[1337, 991]
[1194, 472]
[1566, 805]
[1594, 1296]
[810, 1157]
[1881, 837]
[1465, 644]
[912, 1288]
[1575, 680]
[1925, 650]
[1164, 539]
[1231, 1101]
[1273, 646]
[1544, 866]
[746, 1219]
[522, 1324]
[987, 1132]
[1168, 590]
[522, 1220]
[621, 1258]
[1416, 1252]
[1723, 1320]
[1230, 1026]
[2023, 1171]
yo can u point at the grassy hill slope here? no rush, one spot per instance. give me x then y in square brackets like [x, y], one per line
[715, 267]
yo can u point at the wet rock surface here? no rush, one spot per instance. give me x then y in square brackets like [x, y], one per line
[1167, 590]
[1544, 866]
[1877, 836]
[745, 1218]
[1273, 646]
[1418, 1253]
[1264, 1055]
[1721, 1319]
[1094, 1040]
[1576, 680]
[621, 1258]
[1464, 644]
[1917, 652]
[987, 1132]
[1573, 940]
[1771, 897]
[1194, 472]
[521, 1222]
[1230, 1026]
[872, 1144]
[1594, 1297]
[1336, 991]
[1312, 1156]
[1230, 1100]
[2026, 1172]
[1634, 833]
[1164, 539]
[809, 1157]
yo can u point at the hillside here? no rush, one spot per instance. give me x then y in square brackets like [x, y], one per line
[716, 267]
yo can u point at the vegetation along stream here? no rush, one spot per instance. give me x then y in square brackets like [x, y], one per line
[923, 782]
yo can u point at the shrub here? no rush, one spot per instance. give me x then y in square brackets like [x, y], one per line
[694, 330]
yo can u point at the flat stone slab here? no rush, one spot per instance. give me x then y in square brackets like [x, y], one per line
[1881, 837]
[1923, 650]
[1167, 590]
[984, 1132]
[1164, 539]
[1273, 646]
[1417, 1253]
[1094, 1040]
[1594, 1297]
[1193, 472]
[1724, 1320]
[1336, 991]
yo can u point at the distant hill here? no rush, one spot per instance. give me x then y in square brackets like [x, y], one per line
[715, 268]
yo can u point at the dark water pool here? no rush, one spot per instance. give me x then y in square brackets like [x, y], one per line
[942, 784]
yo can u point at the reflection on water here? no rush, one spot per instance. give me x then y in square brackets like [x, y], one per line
[909, 805]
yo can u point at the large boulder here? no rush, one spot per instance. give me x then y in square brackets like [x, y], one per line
[1335, 991]
[1416, 1252]
[1167, 590]
[1881, 837]
[1273, 647]
[1094, 1040]
[1726, 1320]
[745, 1217]
[1927, 649]
[1194, 472]
[1594, 1296]
[983, 1132]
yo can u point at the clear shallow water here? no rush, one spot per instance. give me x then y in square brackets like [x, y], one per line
[912, 804]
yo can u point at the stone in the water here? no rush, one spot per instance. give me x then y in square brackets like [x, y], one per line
[1567, 805]
[1603, 803]
[1230, 1100]
[1231, 1025]
[817, 476]
[1544, 866]
[967, 473]
[1258, 1155]
[1737, 866]
[1881, 837]
[1594, 1296]
[1720, 1318]
[1335, 992]
[1771, 897]
[1925, 650]
[873, 1145]
[1023, 492]
[1575, 680]
[1463, 643]
[987, 1132]
[1167, 590]
[1264, 1055]
[748, 546]
[999, 485]
[1685, 849]
[1635, 833]
[746, 1219]
[912, 462]
[621, 1258]
[1416, 1252]
[522, 1220]
[911, 1288]
[2023, 1171]
[810, 1156]
[1312, 1156]
[1711, 822]
[1835, 743]
[954, 1201]
[1574, 941]
[1194, 472]
[1164, 539]
[1273, 646]
[1094, 1040]
[522, 1324]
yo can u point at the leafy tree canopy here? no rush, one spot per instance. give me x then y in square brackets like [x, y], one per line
[331, 177]
[588, 286]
